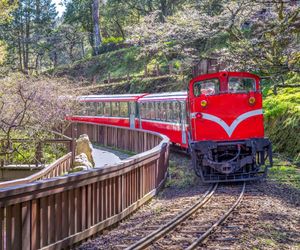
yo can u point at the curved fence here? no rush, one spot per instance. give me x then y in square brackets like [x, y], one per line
[57, 168]
[59, 212]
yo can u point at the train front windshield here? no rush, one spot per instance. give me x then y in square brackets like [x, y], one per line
[235, 85]
[241, 85]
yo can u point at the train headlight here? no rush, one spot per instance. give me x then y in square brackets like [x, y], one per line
[203, 103]
[252, 100]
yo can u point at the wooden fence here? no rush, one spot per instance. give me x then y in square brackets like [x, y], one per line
[59, 212]
[57, 168]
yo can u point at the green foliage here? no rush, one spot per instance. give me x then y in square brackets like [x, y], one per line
[112, 39]
[6, 7]
[180, 176]
[282, 121]
[285, 173]
[118, 63]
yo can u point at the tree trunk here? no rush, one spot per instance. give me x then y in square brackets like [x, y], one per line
[163, 9]
[96, 27]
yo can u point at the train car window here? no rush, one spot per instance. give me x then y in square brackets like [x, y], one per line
[143, 110]
[100, 109]
[94, 108]
[169, 111]
[133, 109]
[82, 108]
[90, 108]
[157, 111]
[240, 85]
[124, 109]
[115, 109]
[176, 112]
[107, 109]
[164, 111]
[152, 110]
[207, 87]
[147, 110]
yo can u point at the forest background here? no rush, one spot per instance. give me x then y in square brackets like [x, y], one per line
[146, 46]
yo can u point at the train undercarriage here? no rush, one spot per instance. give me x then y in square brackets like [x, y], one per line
[231, 161]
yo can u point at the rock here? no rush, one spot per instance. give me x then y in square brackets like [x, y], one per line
[82, 161]
[83, 145]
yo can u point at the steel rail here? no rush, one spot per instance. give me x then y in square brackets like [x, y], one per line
[222, 219]
[163, 230]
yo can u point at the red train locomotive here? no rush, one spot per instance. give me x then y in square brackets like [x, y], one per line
[219, 120]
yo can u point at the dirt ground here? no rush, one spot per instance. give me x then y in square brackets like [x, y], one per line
[267, 218]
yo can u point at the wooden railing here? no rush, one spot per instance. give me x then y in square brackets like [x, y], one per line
[59, 212]
[57, 168]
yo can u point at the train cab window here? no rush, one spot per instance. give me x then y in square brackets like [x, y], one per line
[115, 109]
[240, 85]
[107, 109]
[207, 87]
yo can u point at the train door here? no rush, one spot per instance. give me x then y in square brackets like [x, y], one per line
[132, 112]
[183, 121]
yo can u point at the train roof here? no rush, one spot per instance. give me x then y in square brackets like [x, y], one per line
[180, 96]
[124, 97]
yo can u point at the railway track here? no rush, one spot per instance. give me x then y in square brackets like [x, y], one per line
[193, 225]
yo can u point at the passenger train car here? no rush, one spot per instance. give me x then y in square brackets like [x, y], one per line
[219, 120]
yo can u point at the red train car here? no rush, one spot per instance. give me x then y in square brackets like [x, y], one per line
[117, 110]
[219, 120]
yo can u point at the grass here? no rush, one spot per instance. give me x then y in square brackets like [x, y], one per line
[285, 173]
[282, 121]
[180, 176]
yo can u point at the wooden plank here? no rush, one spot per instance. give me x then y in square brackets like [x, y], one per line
[109, 198]
[44, 221]
[58, 217]
[78, 210]
[89, 206]
[94, 207]
[71, 212]
[102, 189]
[51, 219]
[2, 228]
[65, 215]
[35, 224]
[16, 233]
[26, 226]
[84, 208]
[8, 229]
[97, 205]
